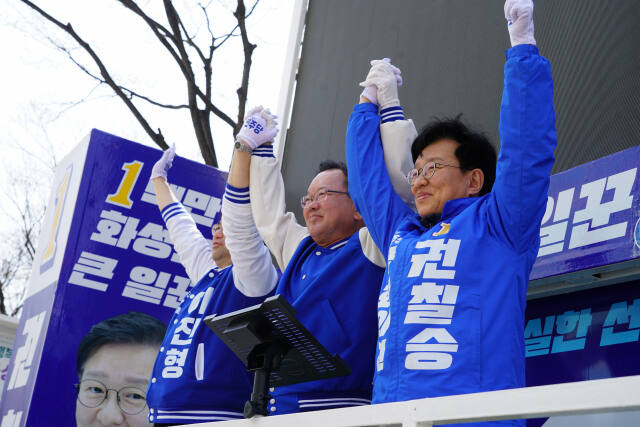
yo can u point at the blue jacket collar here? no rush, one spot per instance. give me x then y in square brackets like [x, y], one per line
[453, 207]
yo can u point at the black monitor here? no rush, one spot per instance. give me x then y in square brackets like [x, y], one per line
[276, 347]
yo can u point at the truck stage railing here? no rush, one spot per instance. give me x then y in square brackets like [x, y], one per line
[584, 397]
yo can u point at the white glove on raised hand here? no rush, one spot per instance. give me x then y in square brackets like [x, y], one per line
[163, 165]
[385, 79]
[259, 127]
[519, 15]
[371, 92]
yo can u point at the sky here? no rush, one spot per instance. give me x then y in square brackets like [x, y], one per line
[48, 104]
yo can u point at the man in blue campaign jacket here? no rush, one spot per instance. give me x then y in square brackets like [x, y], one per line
[451, 309]
[332, 268]
[196, 378]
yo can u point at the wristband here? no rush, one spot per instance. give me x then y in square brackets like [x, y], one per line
[241, 147]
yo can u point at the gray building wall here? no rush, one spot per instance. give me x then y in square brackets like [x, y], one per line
[451, 53]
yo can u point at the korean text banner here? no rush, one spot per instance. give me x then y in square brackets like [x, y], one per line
[104, 251]
[592, 217]
[587, 335]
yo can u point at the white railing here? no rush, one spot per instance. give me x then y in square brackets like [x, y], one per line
[584, 397]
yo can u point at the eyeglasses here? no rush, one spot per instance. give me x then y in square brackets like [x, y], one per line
[91, 393]
[319, 196]
[427, 171]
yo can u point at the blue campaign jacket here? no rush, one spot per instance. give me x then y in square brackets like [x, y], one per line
[334, 291]
[222, 387]
[451, 308]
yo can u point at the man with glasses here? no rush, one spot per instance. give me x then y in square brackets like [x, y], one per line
[451, 311]
[196, 378]
[114, 363]
[332, 268]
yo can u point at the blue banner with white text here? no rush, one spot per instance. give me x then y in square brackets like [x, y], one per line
[103, 258]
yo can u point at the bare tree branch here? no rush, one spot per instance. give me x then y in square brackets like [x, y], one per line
[69, 105]
[8, 270]
[156, 137]
[208, 72]
[161, 33]
[179, 54]
[130, 93]
[248, 48]
[27, 212]
[179, 44]
[190, 42]
[206, 17]
[133, 94]
[17, 310]
[232, 33]
[199, 118]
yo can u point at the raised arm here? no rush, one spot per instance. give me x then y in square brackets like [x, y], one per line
[164, 195]
[397, 135]
[396, 132]
[278, 228]
[369, 183]
[192, 248]
[253, 273]
[527, 132]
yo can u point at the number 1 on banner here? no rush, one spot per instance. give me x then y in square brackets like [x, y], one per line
[122, 197]
[61, 196]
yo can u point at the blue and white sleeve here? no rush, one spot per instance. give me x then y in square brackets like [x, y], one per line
[192, 248]
[253, 272]
[279, 228]
[369, 183]
[397, 135]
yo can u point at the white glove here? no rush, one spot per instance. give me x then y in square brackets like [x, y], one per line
[383, 77]
[371, 92]
[163, 165]
[519, 15]
[259, 127]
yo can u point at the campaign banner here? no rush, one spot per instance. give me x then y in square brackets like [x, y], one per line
[585, 335]
[104, 255]
[592, 217]
[592, 220]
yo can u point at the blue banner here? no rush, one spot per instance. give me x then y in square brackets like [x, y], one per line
[585, 335]
[591, 221]
[103, 251]
[592, 216]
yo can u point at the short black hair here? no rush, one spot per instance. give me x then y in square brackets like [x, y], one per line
[329, 164]
[475, 149]
[128, 328]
